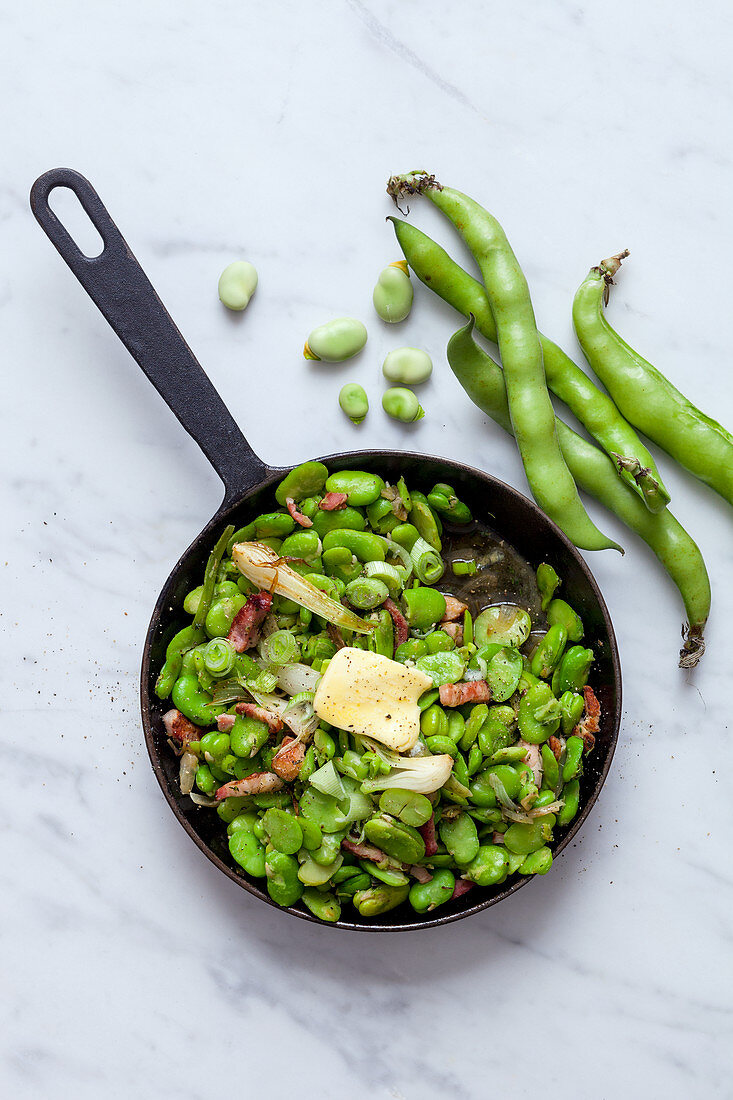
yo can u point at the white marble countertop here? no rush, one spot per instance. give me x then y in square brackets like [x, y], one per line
[132, 967]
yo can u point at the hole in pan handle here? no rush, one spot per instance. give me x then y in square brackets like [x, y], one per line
[125, 296]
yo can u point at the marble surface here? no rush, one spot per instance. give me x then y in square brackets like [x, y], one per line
[131, 966]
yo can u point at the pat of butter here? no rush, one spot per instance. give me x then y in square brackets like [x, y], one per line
[366, 693]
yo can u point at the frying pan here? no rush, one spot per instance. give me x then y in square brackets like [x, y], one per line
[118, 286]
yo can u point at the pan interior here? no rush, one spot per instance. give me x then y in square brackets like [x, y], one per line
[510, 517]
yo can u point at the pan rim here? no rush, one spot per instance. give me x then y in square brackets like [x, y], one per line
[272, 474]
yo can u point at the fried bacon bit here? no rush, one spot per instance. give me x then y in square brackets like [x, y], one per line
[288, 760]
[455, 695]
[364, 851]
[533, 757]
[272, 720]
[245, 629]
[462, 886]
[556, 746]
[259, 783]
[420, 873]
[333, 502]
[401, 626]
[427, 832]
[590, 723]
[497, 838]
[178, 727]
[454, 631]
[297, 516]
[453, 609]
[225, 722]
[335, 635]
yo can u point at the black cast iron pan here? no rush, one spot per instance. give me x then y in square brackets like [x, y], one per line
[120, 289]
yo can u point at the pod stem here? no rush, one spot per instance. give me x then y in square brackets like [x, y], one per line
[694, 644]
[655, 495]
[607, 269]
[411, 183]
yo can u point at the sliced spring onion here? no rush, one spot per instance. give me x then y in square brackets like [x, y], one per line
[219, 657]
[428, 564]
[280, 648]
[226, 692]
[265, 682]
[383, 571]
[261, 565]
[328, 781]
[500, 791]
[301, 697]
[464, 568]
[297, 677]
[398, 551]
[202, 799]
[423, 774]
[187, 772]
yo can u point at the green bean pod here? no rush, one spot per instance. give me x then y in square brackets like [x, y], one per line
[644, 395]
[530, 407]
[483, 381]
[434, 267]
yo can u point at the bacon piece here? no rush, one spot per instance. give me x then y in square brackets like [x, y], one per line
[288, 760]
[225, 722]
[455, 695]
[427, 832]
[453, 609]
[297, 516]
[533, 757]
[420, 873]
[272, 720]
[401, 626]
[590, 723]
[497, 838]
[454, 631]
[335, 635]
[178, 727]
[364, 851]
[245, 629]
[556, 744]
[258, 783]
[333, 502]
[462, 886]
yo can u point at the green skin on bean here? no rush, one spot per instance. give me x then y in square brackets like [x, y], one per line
[531, 410]
[354, 401]
[179, 644]
[483, 381]
[560, 613]
[424, 607]
[460, 837]
[407, 366]
[426, 896]
[325, 906]
[283, 884]
[360, 487]
[303, 481]
[549, 650]
[379, 899]
[397, 839]
[393, 293]
[335, 341]
[237, 284]
[402, 404]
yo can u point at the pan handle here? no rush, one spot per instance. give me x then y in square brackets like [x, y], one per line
[123, 293]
